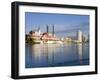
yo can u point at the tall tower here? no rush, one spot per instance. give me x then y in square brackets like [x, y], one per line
[47, 29]
[39, 31]
[53, 30]
[79, 35]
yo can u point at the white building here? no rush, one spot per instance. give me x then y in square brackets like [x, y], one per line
[79, 35]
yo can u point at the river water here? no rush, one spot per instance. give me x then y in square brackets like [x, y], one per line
[54, 55]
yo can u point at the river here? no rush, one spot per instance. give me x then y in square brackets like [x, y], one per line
[55, 55]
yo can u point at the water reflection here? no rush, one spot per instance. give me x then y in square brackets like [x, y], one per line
[80, 52]
[50, 55]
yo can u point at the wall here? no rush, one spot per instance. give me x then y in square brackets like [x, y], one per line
[5, 40]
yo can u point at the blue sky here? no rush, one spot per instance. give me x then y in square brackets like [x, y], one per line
[64, 24]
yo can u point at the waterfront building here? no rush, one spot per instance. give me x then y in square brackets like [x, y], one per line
[44, 37]
[80, 36]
